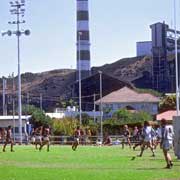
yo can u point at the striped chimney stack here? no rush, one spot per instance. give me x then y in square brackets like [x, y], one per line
[83, 44]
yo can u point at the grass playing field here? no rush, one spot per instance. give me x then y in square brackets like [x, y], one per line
[87, 163]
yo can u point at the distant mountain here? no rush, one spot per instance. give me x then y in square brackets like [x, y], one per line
[55, 85]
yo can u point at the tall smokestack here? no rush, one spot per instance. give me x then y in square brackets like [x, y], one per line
[83, 37]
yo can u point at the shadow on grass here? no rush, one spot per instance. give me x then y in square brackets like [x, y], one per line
[143, 169]
[176, 165]
[156, 159]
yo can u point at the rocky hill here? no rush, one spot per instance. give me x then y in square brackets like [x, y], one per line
[55, 85]
[128, 69]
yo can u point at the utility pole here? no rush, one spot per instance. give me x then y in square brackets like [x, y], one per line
[101, 108]
[13, 97]
[4, 97]
[27, 103]
[41, 101]
[27, 96]
[80, 104]
[94, 108]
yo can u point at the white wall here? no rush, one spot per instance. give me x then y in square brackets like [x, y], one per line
[72, 114]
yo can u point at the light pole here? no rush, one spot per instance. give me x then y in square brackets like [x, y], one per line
[101, 109]
[4, 97]
[79, 62]
[94, 107]
[176, 119]
[176, 62]
[17, 9]
[13, 90]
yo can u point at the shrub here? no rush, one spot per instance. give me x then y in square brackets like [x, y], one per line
[64, 126]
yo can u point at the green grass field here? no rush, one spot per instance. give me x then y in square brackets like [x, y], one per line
[87, 163]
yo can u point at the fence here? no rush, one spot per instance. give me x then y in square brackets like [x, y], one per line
[84, 140]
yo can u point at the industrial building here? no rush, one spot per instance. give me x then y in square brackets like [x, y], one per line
[144, 48]
[162, 50]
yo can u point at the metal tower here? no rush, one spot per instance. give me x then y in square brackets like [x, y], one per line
[159, 52]
[163, 46]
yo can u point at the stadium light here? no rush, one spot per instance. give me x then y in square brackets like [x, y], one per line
[17, 10]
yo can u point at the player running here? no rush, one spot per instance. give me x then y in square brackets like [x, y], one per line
[147, 138]
[166, 142]
[45, 138]
[139, 137]
[8, 139]
[126, 136]
[38, 136]
[77, 136]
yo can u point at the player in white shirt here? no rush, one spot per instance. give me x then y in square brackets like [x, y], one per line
[147, 134]
[167, 141]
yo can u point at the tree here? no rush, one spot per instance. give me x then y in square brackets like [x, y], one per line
[64, 126]
[38, 117]
[85, 119]
[167, 103]
[140, 117]
[123, 115]
[29, 109]
[69, 102]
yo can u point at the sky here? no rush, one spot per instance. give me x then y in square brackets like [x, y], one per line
[115, 27]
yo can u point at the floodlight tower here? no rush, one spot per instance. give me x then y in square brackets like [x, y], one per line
[83, 39]
[17, 8]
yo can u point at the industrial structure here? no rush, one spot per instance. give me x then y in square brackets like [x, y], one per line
[83, 39]
[160, 76]
[162, 49]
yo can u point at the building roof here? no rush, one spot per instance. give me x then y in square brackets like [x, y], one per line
[127, 95]
[168, 115]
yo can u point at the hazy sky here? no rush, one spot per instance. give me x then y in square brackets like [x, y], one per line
[115, 27]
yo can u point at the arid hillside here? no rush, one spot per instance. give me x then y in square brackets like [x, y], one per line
[54, 85]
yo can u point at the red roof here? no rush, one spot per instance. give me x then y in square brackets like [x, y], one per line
[168, 115]
[125, 95]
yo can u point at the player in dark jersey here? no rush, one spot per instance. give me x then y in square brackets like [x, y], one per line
[8, 139]
[140, 137]
[126, 136]
[45, 138]
[77, 136]
[38, 136]
[3, 135]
